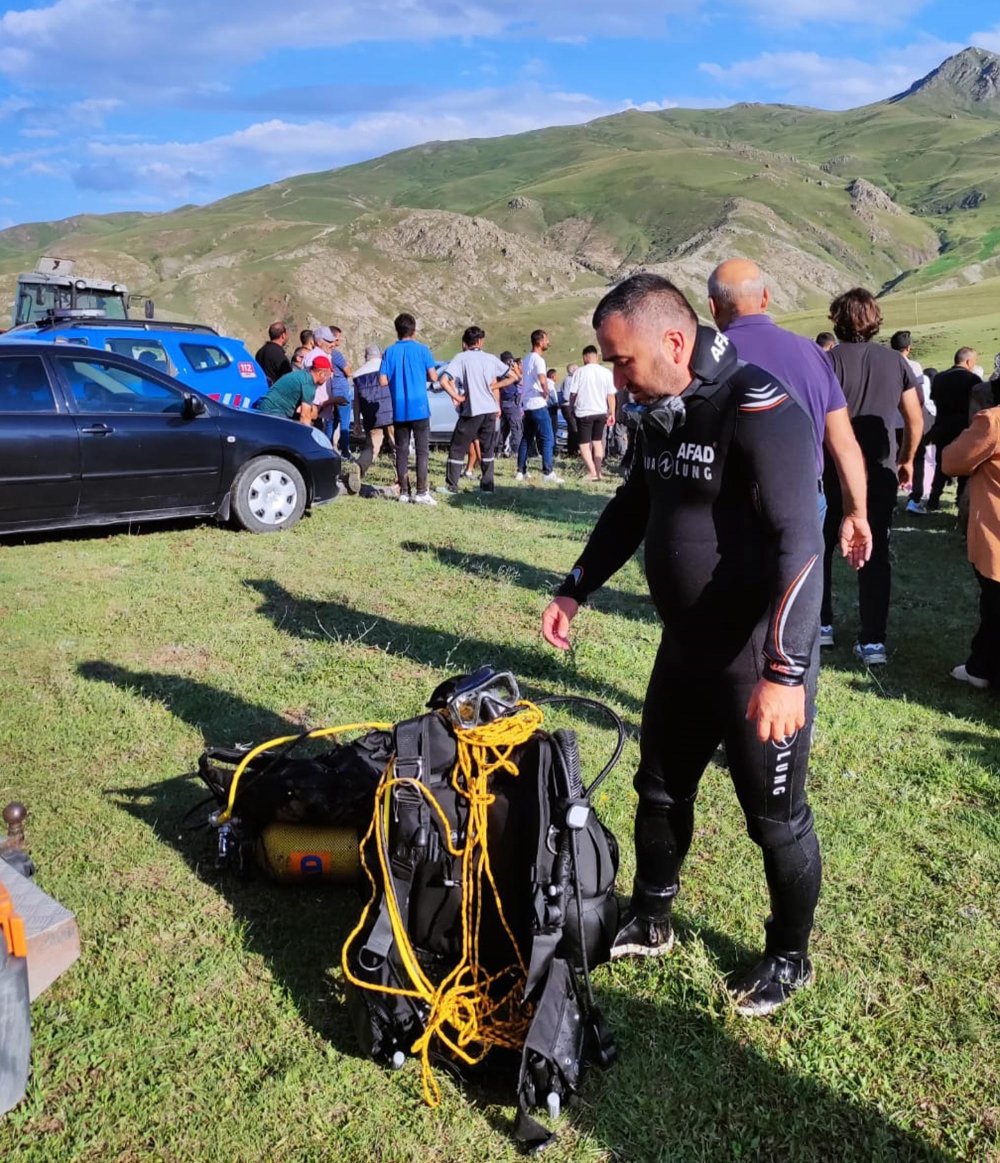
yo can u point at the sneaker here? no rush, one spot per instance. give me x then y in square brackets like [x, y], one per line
[446, 492]
[422, 499]
[962, 674]
[916, 507]
[404, 498]
[471, 475]
[639, 937]
[351, 476]
[769, 984]
[521, 476]
[826, 635]
[870, 653]
[552, 479]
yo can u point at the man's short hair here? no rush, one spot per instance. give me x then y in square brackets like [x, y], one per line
[826, 337]
[507, 357]
[537, 337]
[472, 335]
[405, 325]
[649, 296]
[590, 349]
[963, 354]
[276, 330]
[305, 336]
[856, 316]
[901, 340]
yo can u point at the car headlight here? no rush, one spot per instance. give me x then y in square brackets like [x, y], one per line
[321, 439]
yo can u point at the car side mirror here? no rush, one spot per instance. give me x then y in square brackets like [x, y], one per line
[148, 308]
[193, 406]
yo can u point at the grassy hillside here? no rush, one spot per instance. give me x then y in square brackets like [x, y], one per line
[520, 230]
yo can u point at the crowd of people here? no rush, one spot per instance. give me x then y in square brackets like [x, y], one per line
[880, 424]
[750, 457]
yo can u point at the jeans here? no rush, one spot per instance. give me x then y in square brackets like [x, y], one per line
[538, 424]
[511, 427]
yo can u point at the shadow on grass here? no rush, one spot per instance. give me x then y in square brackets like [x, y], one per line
[426, 645]
[542, 503]
[533, 578]
[683, 1087]
[298, 931]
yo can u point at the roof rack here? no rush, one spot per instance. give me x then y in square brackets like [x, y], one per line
[86, 318]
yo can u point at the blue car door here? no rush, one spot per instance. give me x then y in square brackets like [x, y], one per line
[139, 453]
[39, 447]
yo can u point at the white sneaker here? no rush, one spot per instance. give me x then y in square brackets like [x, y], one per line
[521, 476]
[423, 499]
[870, 653]
[972, 679]
[826, 635]
[552, 479]
[404, 498]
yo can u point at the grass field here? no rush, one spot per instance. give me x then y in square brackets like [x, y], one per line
[205, 1019]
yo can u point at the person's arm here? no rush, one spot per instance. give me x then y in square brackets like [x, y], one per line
[447, 382]
[913, 428]
[845, 452]
[617, 535]
[781, 452]
[612, 406]
[977, 444]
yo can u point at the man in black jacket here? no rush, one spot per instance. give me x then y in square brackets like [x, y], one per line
[951, 392]
[271, 357]
[722, 493]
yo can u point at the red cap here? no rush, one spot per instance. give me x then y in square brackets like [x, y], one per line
[321, 361]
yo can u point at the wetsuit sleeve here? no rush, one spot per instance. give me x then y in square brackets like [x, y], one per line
[776, 438]
[617, 535]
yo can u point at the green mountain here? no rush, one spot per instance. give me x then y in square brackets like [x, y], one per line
[901, 196]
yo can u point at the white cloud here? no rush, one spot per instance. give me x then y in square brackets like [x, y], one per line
[795, 12]
[807, 78]
[989, 40]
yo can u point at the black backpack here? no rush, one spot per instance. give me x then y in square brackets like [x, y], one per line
[491, 899]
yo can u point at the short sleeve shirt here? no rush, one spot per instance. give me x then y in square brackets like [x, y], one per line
[406, 364]
[533, 396]
[874, 379]
[592, 385]
[286, 393]
[473, 371]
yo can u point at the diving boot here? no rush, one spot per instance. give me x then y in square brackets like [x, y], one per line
[641, 935]
[769, 984]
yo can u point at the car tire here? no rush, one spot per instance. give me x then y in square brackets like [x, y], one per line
[268, 495]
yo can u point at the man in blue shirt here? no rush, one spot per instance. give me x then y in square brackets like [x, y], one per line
[407, 365]
[738, 300]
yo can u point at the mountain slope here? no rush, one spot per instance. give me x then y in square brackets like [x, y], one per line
[901, 193]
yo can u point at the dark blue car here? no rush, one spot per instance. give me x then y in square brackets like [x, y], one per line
[92, 438]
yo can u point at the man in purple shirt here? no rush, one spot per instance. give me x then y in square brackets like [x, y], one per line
[738, 300]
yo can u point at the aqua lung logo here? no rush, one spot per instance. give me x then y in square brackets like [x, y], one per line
[693, 461]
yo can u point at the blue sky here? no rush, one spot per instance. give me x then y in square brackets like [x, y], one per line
[146, 104]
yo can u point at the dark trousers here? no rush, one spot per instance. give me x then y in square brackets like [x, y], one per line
[919, 461]
[421, 433]
[468, 429]
[984, 653]
[511, 426]
[685, 717]
[943, 435]
[875, 578]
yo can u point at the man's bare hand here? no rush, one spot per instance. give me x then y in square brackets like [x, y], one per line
[904, 473]
[779, 710]
[855, 540]
[556, 619]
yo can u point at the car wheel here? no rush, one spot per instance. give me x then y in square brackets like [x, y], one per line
[268, 495]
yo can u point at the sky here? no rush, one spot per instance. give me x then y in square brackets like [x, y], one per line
[109, 105]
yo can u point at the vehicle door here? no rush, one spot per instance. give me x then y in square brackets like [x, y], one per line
[139, 452]
[223, 370]
[39, 447]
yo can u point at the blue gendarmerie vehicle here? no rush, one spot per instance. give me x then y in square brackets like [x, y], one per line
[90, 437]
[216, 366]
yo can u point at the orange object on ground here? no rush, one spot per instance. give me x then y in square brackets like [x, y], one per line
[11, 926]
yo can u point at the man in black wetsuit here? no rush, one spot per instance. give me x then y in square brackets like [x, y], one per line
[721, 491]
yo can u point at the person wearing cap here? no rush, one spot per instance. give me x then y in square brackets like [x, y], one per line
[374, 406]
[293, 395]
[330, 398]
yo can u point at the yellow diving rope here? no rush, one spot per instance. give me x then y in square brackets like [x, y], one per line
[470, 1011]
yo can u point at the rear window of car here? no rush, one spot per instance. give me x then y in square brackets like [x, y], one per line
[24, 385]
[206, 357]
[148, 351]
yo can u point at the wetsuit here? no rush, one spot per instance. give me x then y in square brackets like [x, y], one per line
[725, 504]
